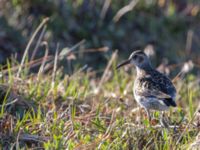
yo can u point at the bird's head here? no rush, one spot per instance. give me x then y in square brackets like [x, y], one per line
[139, 59]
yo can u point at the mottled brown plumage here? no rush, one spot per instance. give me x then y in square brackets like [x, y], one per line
[152, 89]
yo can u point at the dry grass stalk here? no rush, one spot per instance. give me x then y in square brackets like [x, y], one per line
[55, 67]
[38, 43]
[29, 44]
[125, 9]
[105, 8]
[187, 126]
[113, 57]
[44, 59]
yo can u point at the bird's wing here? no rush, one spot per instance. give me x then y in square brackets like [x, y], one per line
[149, 88]
[152, 93]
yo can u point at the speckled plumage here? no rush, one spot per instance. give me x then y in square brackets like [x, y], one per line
[152, 89]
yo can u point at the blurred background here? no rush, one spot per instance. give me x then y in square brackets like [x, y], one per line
[168, 30]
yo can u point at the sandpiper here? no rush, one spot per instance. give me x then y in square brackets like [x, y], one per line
[152, 89]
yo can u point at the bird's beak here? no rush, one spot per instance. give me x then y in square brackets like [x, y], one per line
[123, 63]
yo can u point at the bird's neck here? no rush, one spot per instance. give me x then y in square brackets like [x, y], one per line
[143, 71]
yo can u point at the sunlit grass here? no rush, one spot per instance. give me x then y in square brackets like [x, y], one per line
[73, 113]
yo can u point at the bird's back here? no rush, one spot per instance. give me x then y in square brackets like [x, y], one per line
[153, 84]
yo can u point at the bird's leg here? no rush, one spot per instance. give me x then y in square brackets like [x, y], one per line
[140, 115]
[162, 120]
[148, 114]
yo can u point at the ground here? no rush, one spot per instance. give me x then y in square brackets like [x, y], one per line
[86, 111]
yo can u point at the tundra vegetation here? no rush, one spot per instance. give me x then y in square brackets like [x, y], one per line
[59, 87]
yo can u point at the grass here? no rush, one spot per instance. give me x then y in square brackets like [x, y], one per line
[92, 109]
[53, 110]
[85, 111]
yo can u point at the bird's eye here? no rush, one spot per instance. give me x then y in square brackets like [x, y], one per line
[135, 57]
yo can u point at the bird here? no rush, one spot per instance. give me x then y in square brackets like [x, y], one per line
[152, 90]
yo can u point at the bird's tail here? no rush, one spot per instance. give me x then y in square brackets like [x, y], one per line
[170, 102]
